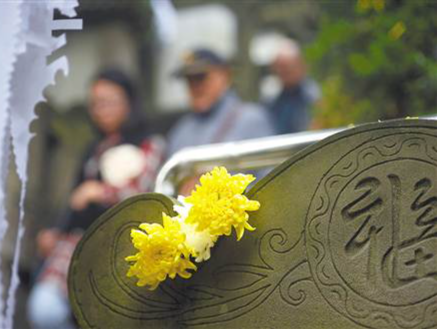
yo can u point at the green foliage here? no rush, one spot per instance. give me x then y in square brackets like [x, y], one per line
[377, 60]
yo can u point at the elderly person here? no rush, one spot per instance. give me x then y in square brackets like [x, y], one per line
[217, 113]
[290, 109]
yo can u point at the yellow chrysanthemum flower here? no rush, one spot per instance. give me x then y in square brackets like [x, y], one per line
[161, 252]
[216, 206]
[218, 203]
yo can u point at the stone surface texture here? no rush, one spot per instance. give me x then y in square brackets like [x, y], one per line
[346, 238]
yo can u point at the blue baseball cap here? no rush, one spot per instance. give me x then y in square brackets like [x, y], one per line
[199, 61]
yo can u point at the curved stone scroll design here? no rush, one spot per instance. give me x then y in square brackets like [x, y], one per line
[191, 302]
[260, 283]
[99, 277]
[346, 238]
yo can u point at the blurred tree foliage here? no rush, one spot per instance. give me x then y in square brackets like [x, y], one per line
[375, 59]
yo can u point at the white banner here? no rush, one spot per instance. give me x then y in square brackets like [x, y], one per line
[26, 42]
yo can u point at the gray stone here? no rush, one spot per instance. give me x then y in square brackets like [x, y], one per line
[346, 238]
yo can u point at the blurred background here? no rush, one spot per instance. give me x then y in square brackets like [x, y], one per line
[372, 60]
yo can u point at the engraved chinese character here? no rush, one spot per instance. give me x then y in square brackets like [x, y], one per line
[406, 254]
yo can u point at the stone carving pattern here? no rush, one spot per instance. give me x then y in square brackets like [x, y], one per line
[207, 301]
[388, 230]
[350, 196]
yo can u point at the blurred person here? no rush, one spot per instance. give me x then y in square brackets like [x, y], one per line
[290, 109]
[217, 113]
[121, 162]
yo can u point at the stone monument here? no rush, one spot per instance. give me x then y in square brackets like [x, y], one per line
[346, 237]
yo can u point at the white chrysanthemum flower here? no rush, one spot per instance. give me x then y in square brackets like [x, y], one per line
[200, 242]
[183, 208]
[120, 164]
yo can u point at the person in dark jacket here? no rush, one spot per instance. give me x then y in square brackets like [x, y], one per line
[290, 109]
[121, 162]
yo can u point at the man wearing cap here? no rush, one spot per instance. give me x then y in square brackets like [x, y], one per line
[218, 114]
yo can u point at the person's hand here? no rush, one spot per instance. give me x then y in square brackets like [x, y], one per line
[46, 241]
[88, 192]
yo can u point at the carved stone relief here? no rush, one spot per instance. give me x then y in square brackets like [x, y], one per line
[346, 238]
